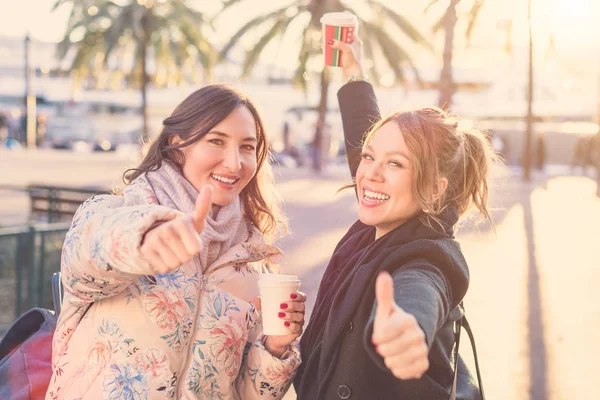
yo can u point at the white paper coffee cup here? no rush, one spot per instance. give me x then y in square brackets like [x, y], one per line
[274, 290]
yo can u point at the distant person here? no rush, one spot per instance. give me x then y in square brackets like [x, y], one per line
[13, 127]
[383, 322]
[41, 124]
[286, 136]
[3, 128]
[582, 154]
[596, 159]
[540, 152]
[160, 280]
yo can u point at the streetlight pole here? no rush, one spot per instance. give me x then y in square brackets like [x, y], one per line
[529, 122]
[30, 97]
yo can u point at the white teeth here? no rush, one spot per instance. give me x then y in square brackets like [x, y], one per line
[223, 179]
[376, 196]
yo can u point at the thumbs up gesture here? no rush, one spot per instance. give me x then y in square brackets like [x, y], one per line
[397, 336]
[172, 244]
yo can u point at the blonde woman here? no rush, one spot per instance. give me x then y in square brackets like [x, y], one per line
[382, 325]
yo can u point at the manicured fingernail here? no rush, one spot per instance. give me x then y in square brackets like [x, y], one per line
[330, 42]
[286, 323]
[293, 296]
[284, 306]
[281, 315]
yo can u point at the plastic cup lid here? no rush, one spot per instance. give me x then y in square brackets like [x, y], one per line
[278, 278]
[339, 19]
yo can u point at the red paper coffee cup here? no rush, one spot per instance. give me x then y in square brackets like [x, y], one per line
[337, 26]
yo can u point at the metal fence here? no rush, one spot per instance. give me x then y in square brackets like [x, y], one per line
[54, 203]
[29, 255]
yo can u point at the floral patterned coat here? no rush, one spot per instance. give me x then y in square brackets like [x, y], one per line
[123, 334]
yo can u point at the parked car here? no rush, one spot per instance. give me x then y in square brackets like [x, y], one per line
[70, 133]
[80, 134]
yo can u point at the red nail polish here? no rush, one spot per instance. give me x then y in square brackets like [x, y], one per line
[330, 42]
[293, 296]
[281, 315]
[284, 306]
[286, 323]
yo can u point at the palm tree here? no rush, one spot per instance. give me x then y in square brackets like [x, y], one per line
[170, 31]
[527, 149]
[379, 41]
[448, 23]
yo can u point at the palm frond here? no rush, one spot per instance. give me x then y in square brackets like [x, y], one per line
[473, 17]
[182, 12]
[369, 49]
[176, 53]
[59, 3]
[392, 52]
[204, 49]
[431, 4]
[440, 23]
[405, 26]
[252, 56]
[62, 48]
[230, 3]
[305, 53]
[86, 49]
[114, 33]
[244, 29]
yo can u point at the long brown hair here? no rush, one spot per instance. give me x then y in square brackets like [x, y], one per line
[193, 118]
[439, 149]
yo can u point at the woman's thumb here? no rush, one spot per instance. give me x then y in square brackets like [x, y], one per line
[203, 206]
[384, 292]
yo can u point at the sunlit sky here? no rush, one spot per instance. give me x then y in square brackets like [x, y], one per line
[572, 22]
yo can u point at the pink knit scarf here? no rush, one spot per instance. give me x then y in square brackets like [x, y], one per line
[227, 229]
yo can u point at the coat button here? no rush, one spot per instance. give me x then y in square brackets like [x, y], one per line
[344, 392]
[349, 327]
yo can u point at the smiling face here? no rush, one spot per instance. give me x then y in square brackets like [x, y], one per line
[225, 157]
[385, 181]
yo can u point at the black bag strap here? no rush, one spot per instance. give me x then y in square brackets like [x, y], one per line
[463, 323]
[57, 292]
[457, 329]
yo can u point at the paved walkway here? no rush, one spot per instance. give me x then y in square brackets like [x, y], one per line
[533, 302]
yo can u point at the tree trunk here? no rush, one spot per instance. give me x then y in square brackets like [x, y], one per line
[447, 86]
[596, 151]
[318, 150]
[144, 88]
[530, 118]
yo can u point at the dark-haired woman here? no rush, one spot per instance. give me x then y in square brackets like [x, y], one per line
[160, 280]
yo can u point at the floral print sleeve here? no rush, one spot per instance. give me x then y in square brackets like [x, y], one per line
[264, 376]
[101, 253]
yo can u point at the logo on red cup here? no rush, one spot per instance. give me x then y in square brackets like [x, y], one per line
[337, 26]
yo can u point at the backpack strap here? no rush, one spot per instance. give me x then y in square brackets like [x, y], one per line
[457, 329]
[57, 292]
[459, 324]
[465, 323]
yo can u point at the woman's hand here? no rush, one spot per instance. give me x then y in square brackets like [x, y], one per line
[397, 336]
[172, 244]
[352, 56]
[291, 315]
